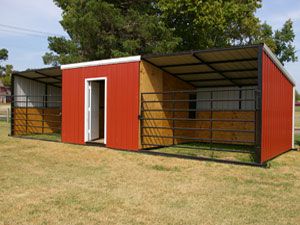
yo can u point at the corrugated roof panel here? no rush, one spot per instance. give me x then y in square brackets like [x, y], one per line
[247, 81]
[46, 75]
[236, 65]
[241, 74]
[200, 76]
[173, 60]
[188, 69]
[30, 74]
[211, 83]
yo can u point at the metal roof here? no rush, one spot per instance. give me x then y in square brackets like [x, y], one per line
[50, 76]
[235, 66]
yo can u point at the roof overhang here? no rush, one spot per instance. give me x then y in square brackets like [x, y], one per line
[273, 57]
[233, 66]
[102, 62]
[50, 76]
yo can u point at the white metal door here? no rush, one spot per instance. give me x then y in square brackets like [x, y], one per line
[93, 110]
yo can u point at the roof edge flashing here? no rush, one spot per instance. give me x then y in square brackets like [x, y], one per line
[273, 57]
[102, 62]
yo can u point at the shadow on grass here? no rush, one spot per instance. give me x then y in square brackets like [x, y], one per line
[242, 153]
[45, 137]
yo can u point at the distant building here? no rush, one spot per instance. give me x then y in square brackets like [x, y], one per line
[5, 93]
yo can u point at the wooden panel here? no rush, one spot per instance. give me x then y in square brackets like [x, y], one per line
[152, 79]
[36, 120]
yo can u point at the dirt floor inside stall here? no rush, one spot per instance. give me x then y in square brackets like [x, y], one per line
[54, 183]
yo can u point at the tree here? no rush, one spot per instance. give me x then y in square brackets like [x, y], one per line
[3, 54]
[206, 24]
[297, 96]
[101, 29]
[5, 71]
[111, 28]
[3, 57]
[280, 41]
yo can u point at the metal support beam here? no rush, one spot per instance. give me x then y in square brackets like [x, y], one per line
[47, 76]
[214, 72]
[166, 71]
[214, 69]
[42, 82]
[258, 107]
[211, 63]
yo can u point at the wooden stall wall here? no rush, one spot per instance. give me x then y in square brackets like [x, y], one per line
[152, 79]
[36, 121]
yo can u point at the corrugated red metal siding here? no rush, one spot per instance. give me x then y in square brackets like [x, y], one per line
[277, 111]
[122, 104]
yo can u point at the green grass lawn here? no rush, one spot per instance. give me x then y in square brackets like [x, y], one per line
[46, 137]
[54, 183]
[203, 151]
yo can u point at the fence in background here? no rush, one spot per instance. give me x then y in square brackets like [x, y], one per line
[5, 111]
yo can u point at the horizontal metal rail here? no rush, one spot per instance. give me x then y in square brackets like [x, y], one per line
[191, 103]
[201, 148]
[48, 121]
[36, 96]
[42, 118]
[21, 101]
[188, 119]
[45, 127]
[199, 100]
[194, 110]
[197, 139]
[37, 114]
[200, 129]
[197, 91]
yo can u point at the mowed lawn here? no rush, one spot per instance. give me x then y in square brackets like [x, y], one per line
[54, 183]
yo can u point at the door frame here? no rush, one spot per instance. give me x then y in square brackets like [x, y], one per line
[86, 118]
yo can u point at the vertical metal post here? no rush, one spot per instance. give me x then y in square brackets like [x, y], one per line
[12, 105]
[43, 114]
[173, 117]
[141, 120]
[7, 115]
[259, 104]
[211, 119]
[240, 99]
[26, 113]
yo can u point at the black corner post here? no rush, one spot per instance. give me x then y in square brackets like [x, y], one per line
[12, 84]
[259, 103]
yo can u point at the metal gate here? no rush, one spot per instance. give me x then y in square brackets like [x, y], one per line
[36, 116]
[219, 119]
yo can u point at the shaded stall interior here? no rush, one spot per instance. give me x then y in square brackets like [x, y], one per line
[36, 103]
[201, 99]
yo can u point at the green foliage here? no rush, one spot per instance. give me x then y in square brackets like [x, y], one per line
[281, 41]
[3, 54]
[5, 71]
[105, 29]
[6, 78]
[101, 29]
[297, 96]
[206, 24]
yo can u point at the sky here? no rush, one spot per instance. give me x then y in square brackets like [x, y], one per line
[26, 49]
